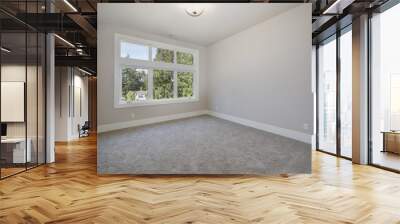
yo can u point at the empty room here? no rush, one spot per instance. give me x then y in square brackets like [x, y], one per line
[143, 111]
[232, 104]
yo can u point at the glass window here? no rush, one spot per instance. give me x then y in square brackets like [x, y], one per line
[385, 89]
[163, 84]
[17, 155]
[184, 58]
[327, 96]
[22, 107]
[185, 84]
[155, 73]
[394, 102]
[346, 94]
[134, 51]
[134, 84]
[162, 55]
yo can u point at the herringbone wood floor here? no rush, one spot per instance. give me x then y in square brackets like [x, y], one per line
[69, 191]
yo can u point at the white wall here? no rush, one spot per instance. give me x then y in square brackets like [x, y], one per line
[62, 80]
[79, 118]
[33, 125]
[15, 72]
[263, 73]
[66, 121]
[107, 114]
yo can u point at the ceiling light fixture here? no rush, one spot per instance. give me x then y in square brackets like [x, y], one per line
[70, 5]
[5, 50]
[65, 41]
[335, 6]
[84, 71]
[194, 11]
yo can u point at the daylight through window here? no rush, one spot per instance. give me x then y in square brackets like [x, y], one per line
[149, 72]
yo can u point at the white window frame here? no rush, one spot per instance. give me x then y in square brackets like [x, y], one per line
[150, 65]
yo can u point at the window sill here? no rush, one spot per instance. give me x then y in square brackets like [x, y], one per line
[156, 102]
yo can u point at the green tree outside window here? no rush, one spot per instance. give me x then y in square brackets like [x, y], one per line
[163, 55]
[185, 84]
[134, 81]
[184, 58]
[163, 84]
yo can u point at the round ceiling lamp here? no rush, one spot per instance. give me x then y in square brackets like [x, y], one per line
[194, 11]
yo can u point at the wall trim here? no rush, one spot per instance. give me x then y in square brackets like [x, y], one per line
[141, 122]
[296, 135]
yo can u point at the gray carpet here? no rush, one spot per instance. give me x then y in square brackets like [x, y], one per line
[200, 145]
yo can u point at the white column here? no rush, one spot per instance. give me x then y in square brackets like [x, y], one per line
[50, 100]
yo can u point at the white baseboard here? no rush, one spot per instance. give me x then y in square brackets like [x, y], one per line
[261, 126]
[306, 138]
[141, 122]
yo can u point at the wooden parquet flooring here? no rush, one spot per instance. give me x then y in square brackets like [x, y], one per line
[70, 191]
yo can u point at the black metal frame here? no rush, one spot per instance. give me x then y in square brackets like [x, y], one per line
[30, 29]
[369, 83]
[337, 35]
[338, 98]
[317, 97]
[0, 86]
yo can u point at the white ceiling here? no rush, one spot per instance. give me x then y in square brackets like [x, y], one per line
[217, 22]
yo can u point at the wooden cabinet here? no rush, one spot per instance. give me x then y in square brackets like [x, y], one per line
[391, 142]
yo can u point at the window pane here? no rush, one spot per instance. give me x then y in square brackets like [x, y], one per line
[184, 58]
[394, 102]
[163, 84]
[134, 84]
[134, 51]
[163, 55]
[185, 84]
[385, 88]
[327, 97]
[346, 94]
[13, 88]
